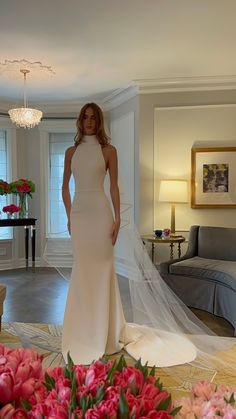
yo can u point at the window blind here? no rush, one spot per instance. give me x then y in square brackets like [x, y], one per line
[5, 232]
[57, 219]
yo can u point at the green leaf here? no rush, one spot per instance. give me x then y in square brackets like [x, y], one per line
[158, 384]
[50, 380]
[133, 387]
[111, 373]
[100, 393]
[175, 410]
[83, 403]
[73, 401]
[26, 405]
[145, 371]
[138, 364]
[153, 371]
[123, 406]
[164, 404]
[232, 399]
[121, 363]
[70, 363]
[66, 373]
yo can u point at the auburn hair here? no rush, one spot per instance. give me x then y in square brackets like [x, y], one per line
[101, 135]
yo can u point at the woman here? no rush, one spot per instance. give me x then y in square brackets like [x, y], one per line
[94, 319]
[94, 322]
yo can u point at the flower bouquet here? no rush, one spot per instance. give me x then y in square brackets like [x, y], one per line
[11, 209]
[22, 188]
[4, 187]
[103, 390]
[207, 400]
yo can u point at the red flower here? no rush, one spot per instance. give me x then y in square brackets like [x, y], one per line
[11, 208]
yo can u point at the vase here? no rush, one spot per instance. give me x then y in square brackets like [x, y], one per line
[23, 204]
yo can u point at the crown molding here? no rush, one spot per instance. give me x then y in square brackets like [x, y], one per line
[186, 84]
[139, 86]
[119, 96]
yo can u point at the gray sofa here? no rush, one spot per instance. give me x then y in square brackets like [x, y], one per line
[205, 277]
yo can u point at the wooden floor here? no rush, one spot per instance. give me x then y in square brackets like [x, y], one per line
[40, 297]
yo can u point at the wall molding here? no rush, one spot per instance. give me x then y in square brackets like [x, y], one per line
[186, 84]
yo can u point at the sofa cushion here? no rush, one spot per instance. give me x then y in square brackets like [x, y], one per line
[217, 243]
[220, 271]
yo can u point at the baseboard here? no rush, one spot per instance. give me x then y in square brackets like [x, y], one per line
[17, 263]
[122, 266]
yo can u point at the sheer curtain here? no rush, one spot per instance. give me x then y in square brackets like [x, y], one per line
[6, 232]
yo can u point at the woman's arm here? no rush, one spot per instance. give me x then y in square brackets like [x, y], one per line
[114, 191]
[65, 184]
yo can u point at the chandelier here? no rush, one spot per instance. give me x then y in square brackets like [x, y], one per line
[25, 117]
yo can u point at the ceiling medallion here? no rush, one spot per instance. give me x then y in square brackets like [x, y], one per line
[24, 116]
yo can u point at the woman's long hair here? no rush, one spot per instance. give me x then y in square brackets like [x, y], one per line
[101, 135]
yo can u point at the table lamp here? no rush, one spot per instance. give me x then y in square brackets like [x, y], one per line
[173, 191]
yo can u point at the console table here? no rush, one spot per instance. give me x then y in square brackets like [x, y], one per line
[28, 224]
[171, 241]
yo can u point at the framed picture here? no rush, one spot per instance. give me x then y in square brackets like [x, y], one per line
[213, 177]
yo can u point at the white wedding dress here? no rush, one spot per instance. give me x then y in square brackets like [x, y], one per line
[94, 322]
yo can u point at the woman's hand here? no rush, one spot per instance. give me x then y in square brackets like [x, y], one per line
[115, 231]
[68, 225]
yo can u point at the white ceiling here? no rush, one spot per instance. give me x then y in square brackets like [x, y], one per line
[98, 46]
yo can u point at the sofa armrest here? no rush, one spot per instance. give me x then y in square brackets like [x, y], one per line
[164, 266]
[192, 250]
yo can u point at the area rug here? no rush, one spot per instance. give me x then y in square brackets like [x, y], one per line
[46, 340]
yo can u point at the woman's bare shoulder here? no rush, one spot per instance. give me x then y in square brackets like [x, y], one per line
[70, 151]
[110, 149]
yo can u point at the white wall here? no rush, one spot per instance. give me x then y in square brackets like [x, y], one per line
[123, 121]
[177, 130]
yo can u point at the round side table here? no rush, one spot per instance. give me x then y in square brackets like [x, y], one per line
[171, 241]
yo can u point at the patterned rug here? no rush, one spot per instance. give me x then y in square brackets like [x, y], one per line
[46, 340]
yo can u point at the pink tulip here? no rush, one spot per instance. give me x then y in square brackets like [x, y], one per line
[7, 411]
[55, 410]
[161, 397]
[80, 373]
[204, 389]
[6, 387]
[20, 414]
[27, 388]
[134, 378]
[64, 395]
[150, 391]
[112, 393]
[90, 376]
[161, 414]
[134, 405]
[93, 414]
[23, 371]
[39, 395]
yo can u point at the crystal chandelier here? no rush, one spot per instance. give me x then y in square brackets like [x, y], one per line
[25, 117]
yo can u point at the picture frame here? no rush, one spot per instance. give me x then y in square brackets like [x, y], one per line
[213, 177]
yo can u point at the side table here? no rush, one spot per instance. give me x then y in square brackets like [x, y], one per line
[27, 223]
[171, 241]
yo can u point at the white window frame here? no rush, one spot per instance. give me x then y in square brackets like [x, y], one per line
[7, 126]
[45, 129]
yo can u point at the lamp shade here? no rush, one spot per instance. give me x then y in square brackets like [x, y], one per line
[173, 191]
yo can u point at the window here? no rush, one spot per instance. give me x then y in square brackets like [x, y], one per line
[57, 219]
[6, 232]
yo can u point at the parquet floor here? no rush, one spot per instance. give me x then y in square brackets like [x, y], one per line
[40, 297]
